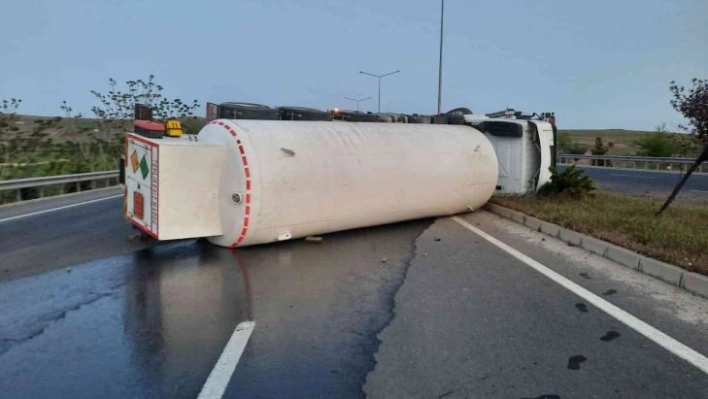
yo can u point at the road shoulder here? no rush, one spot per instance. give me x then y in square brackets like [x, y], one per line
[472, 321]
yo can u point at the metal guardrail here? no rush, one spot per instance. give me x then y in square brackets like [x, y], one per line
[61, 182]
[632, 162]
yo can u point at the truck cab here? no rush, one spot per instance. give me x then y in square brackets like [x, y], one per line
[525, 148]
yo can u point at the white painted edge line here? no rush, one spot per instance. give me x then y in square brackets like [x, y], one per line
[700, 191]
[46, 199]
[663, 340]
[58, 209]
[219, 378]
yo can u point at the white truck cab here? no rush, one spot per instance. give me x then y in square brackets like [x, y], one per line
[525, 148]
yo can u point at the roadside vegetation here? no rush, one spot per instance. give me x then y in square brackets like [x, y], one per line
[657, 143]
[693, 105]
[679, 237]
[46, 146]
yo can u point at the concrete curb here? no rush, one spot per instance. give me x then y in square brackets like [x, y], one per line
[689, 281]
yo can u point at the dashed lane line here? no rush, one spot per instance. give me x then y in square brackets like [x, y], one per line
[220, 376]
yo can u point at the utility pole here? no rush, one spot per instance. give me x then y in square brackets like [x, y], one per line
[379, 78]
[442, 19]
[357, 101]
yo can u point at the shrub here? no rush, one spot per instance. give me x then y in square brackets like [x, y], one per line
[570, 182]
[565, 142]
[578, 149]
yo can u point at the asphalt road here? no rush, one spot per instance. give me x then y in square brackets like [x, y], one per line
[68, 236]
[420, 309]
[647, 182]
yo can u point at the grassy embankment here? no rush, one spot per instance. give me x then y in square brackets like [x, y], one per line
[679, 237]
[32, 146]
[623, 140]
[65, 146]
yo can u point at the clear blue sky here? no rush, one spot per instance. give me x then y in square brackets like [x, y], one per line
[597, 64]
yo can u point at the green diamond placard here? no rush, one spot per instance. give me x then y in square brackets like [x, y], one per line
[144, 167]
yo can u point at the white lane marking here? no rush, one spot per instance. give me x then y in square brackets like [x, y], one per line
[218, 380]
[632, 322]
[700, 191]
[633, 176]
[58, 209]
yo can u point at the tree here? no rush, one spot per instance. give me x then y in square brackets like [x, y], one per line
[601, 149]
[693, 105]
[115, 112]
[116, 109]
[686, 145]
[10, 141]
[657, 144]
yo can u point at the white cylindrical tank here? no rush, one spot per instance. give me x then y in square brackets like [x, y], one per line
[292, 179]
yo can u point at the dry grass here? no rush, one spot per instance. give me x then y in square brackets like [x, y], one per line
[68, 129]
[623, 140]
[679, 237]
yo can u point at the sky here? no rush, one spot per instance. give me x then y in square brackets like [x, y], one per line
[597, 64]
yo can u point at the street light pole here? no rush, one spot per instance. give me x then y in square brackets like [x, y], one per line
[379, 78]
[357, 101]
[442, 20]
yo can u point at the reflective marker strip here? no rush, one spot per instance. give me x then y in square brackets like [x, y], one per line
[247, 172]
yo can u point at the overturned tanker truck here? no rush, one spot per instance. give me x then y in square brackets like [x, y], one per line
[257, 175]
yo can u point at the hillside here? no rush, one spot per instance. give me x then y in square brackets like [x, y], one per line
[623, 140]
[64, 129]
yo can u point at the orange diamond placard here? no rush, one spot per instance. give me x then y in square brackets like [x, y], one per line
[134, 161]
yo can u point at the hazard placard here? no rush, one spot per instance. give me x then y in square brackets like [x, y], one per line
[141, 180]
[134, 161]
[144, 169]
